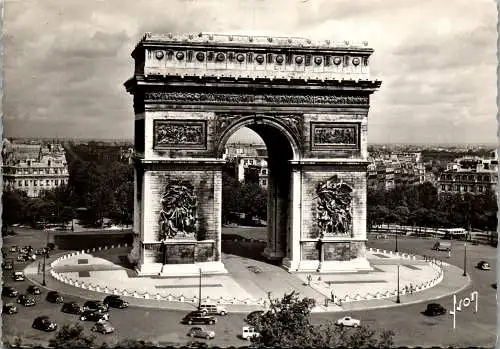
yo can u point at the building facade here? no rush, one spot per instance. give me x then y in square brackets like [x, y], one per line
[34, 168]
[470, 174]
[387, 171]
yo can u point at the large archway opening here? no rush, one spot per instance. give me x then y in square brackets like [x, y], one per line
[259, 151]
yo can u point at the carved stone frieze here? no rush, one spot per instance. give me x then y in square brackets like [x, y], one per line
[234, 98]
[223, 121]
[178, 214]
[179, 134]
[295, 122]
[334, 206]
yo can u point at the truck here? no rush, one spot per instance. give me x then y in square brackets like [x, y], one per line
[442, 246]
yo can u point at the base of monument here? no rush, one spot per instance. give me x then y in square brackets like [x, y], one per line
[181, 269]
[352, 266]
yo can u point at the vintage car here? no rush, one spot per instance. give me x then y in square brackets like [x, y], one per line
[54, 297]
[26, 300]
[9, 291]
[33, 289]
[249, 332]
[94, 315]
[103, 327]
[95, 305]
[348, 321]
[114, 301]
[201, 332]
[212, 309]
[71, 308]
[8, 265]
[434, 309]
[198, 317]
[9, 308]
[43, 323]
[483, 265]
[18, 276]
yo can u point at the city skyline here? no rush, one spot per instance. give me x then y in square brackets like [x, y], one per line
[65, 62]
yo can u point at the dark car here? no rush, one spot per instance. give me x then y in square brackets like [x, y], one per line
[253, 316]
[434, 309]
[115, 302]
[483, 265]
[94, 315]
[95, 305]
[103, 327]
[9, 308]
[7, 265]
[9, 291]
[44, 323]
[33, 290]
[26, 300]
[54, 297]
[198, 317]
[71, 308]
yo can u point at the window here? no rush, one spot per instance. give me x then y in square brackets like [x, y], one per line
[264, 171]
[47, 182]
[264, 182]
[35, 182]
[57, 182]
[20, 183]
[251, 162]
[480, 188]
[442, 187]
[457, 188]
[26, 183]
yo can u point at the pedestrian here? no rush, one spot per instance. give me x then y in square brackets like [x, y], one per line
[411, 288]
[332, 296]
[39, 266]
[449, 253]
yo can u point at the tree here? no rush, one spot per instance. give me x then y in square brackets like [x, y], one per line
[72, 336]
[14, 204]
[287, 324]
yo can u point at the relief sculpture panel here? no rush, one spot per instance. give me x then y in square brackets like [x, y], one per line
[334, 135]
[178, 214]
[334, 208]
[179, 134]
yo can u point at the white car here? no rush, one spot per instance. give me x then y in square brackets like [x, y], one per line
[348, 321]
[249, 332]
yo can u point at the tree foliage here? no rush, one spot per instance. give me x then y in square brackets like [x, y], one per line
[72, 336]
[420, 205]
[287, 323]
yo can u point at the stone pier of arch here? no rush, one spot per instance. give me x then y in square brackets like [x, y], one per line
[309, 103]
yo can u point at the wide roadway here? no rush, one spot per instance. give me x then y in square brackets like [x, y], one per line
[410, 326]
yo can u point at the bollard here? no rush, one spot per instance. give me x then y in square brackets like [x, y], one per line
[158, 297]
[146, 295]
[181, 299]
[169, 297]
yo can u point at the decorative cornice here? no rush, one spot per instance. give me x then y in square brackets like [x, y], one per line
[243, 98]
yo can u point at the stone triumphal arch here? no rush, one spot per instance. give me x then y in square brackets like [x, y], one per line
[308, 101]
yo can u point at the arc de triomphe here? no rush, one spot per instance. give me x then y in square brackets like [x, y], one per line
[308, 101]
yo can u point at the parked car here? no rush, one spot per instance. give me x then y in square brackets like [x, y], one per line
[45, 324]
[115, 302]
[434, 309]
[22, 258]
[9, 291]
[26, 300]
[95, 305]
[13, 248]
[201, 332]
[483, 265]
[348, 321]
[103, 327]
[9, 308]
[197, 317]
[213, 309]
[250, 319]
[94, 315]
[39, 251]
[248, 332]
[33, 289]
[8, 265]
[18, 276]
[54, 297]
[71, 308]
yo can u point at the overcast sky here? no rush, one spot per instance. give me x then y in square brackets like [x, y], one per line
[66, 60]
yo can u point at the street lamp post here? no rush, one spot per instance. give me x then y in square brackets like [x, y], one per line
[396, 241]
[397, 298]
[199, 293]
[465, 259]
[44, 258]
